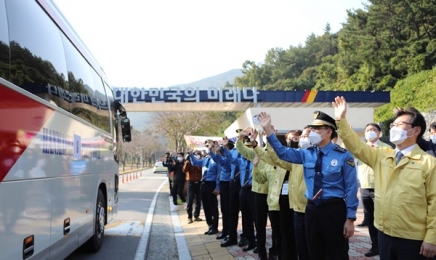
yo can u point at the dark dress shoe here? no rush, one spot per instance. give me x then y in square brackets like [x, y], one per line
[197, 219]
[227, 238]
[207, 232]
[190, 221]
[363, 224]
[249, 247]
[229, 242]
[256, 250]
[372, 252]
[242, 242]
[212, 232]
[221, 236]
[262, 257]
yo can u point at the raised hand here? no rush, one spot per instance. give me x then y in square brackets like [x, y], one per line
[265, 122]
[247, 131]
[340, 106]
[254, 134]
[274, 130]
[225, 141]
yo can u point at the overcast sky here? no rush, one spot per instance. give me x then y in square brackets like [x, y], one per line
[144, 43]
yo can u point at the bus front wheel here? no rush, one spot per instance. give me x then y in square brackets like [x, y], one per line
[95, 242]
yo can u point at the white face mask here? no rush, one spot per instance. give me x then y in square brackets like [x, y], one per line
[371, 135]
[197, 156]
[433, 139]
[264, 139]
[304, 142]
[397, 135]
[315, 138]
[180, 159]
[208, 150]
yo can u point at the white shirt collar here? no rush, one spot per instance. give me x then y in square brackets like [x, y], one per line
[405, 151]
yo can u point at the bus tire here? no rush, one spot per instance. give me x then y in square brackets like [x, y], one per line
[95, 242]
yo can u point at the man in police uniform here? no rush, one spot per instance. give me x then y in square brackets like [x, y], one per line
[210, 188]
[405, 185]
[331, 180]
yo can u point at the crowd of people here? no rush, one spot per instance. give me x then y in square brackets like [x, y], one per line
[308, 187]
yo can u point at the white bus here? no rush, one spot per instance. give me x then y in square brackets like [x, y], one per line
[60, 135]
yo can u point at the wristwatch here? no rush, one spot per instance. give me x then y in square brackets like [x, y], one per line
[352, 219]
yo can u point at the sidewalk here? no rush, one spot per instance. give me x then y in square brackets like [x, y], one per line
[202, 246]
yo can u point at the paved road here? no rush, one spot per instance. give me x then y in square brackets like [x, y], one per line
[127, 236]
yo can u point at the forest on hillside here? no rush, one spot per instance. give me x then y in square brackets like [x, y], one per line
[378, 46]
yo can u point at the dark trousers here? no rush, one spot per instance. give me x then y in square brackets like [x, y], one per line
[300, 236]
[178, 190]
[235, 188]
[194, 191]
[210, 204]
[247, 206]
[276, 249]
[170, 182]
[289, 247]
[225, 205]
[324, 231]
[395, 248]
[368, 203]
[261, 211]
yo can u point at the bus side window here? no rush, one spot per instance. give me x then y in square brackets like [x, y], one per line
[36, 66]
[99, 100]
[81, 84]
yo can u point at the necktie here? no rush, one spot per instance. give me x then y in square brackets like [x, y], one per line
[205, 169]
[398, 157]
[317, 182]
[247, 173]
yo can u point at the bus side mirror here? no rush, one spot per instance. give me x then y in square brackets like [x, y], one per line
[125, 130]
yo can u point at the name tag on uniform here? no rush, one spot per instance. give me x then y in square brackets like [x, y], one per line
[285, 188]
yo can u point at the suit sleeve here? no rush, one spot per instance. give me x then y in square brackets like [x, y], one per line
[245, 151]
[285, 153]
[360, 150]
[259, 175]
[350, 181]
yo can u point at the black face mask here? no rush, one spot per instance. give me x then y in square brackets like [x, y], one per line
[292, 144]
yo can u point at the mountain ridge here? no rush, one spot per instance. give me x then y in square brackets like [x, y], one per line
[140, 120]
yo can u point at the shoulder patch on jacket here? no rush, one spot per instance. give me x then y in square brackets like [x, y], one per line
[351, 162]
[340, 149]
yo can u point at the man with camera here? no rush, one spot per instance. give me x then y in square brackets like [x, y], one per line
[178, 181]
[167, 162]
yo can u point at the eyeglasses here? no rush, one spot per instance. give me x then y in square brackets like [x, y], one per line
[399, 123]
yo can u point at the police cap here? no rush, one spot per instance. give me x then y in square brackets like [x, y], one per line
[322, 119]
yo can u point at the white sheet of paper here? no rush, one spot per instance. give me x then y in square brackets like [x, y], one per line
[285, 188]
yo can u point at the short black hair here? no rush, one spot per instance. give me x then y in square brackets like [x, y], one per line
[295, 132]
[417, 119]
[334, 134]
[374, 125]
[432, 126]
